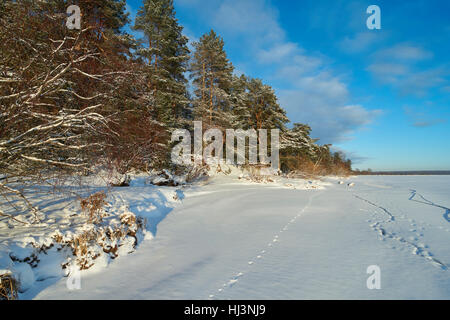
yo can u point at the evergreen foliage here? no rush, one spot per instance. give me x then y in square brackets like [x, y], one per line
[72, 98]
[166, 56]
[211, 73]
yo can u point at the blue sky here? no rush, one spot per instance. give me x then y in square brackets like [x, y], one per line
[381, 96]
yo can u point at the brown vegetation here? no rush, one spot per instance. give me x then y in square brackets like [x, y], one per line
[8, 287]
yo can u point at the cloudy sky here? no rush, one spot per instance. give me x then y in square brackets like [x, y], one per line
[381, 96]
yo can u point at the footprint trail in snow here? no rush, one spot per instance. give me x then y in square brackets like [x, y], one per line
[412, 243]
[234, 280]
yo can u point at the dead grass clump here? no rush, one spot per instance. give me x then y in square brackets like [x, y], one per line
[8, 287]
[93, 206]
[257, 173]
[298, 165]
[82, 249]
[103, 235]
[302, 175]
[197, 173]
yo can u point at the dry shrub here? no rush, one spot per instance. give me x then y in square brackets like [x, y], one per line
[99, 236]
[88, 245]
[141, 142]
[93, 206]
[299, 164]
[341, 171]
[226, 171]
[81, 248]
[255, 174]
[132, 222]
[196, 172]
[302, 175]
[303, 167]
[191, 173]
[8, 287]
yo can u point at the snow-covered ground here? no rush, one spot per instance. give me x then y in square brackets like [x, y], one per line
[230, 238]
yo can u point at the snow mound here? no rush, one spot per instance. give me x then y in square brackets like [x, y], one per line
[88, 235]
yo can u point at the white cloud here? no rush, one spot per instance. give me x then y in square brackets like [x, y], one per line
[324, 84]
[277, 53]
[428, 123]
[331, 120]
[420, 117]
[253, 17]
[360, 42]
[404, 52]
[385, 69]
[400, 67]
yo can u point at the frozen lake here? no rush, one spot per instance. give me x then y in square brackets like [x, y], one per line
[231, 239]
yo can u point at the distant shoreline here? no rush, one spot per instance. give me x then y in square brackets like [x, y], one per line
[404, 173]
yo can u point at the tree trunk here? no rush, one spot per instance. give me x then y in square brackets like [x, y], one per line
[211, 101]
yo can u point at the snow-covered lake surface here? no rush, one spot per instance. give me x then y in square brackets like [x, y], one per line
[230, 239]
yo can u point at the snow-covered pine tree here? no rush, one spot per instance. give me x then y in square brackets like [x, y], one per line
[262, 102]
[109, 15]
[211, 72]
[322, 156]
[166, 56]
[297, 141]
[63, 89]
[238, 99]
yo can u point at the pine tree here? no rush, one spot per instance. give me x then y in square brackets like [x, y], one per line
[262, 103]
[238, 98]
[66, 94]
[211, 72]
[109, 15]
[297, 141]
[56, 87]
[166, 56]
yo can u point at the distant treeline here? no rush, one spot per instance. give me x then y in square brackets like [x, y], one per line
[403, 173]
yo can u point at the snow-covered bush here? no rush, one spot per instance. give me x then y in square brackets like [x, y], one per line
[93, 206]
[179, 175]
[258, 173]
[102, 234]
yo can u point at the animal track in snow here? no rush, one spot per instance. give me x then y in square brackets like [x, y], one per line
[414, 193]
[416, 249]
[391, 217]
